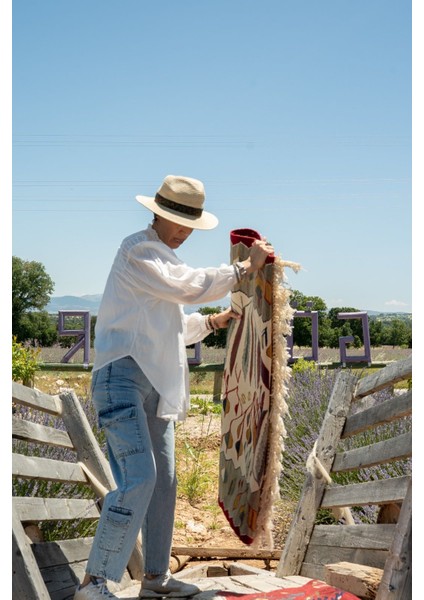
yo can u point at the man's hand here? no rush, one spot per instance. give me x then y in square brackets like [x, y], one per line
[221, 320]
[259, 252]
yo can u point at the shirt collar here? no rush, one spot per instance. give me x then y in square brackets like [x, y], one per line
[152, 235]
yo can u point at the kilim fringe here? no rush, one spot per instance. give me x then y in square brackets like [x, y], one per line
[282, 319]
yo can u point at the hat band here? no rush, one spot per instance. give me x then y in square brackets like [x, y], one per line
[182, 208]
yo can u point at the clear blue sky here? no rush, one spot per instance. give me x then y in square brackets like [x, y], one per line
[296, 114]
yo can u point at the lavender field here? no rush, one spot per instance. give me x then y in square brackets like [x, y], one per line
[217, 355]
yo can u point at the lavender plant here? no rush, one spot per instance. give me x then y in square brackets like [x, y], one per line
[309, 392]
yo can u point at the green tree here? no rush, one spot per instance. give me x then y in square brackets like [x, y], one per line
[326, 333]
[39, 327]
[31, 290]
[376, 332]
[398, 333]
[344, 327]
[302, 327]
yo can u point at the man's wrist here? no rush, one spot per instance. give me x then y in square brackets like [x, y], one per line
[211, 323]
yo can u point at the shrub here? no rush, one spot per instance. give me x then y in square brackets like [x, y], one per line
[302, 365]
[24, 362]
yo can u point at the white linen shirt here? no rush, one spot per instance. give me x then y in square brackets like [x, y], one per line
[141, 315]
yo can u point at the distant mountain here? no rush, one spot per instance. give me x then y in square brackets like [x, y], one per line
[89, 302]
[93, 297]
[389, 316]
[376, 313]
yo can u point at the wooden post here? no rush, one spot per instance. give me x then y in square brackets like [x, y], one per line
[217, 386]
[396, 583]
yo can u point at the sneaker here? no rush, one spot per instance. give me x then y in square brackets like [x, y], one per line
[166, 585]
[95, 590]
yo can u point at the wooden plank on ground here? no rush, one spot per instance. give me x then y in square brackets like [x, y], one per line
[258, 583]
[239, 568]
[386, 412]
[388, 450]
[203, 552]
[212, 587]
[361, 580]
[388, 376]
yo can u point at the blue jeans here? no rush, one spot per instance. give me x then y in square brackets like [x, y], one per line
[142, 458]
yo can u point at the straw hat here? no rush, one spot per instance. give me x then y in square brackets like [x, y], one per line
[180, 199]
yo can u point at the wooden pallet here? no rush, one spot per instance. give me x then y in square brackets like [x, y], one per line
[343, 553]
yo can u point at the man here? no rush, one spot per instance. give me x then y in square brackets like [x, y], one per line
[140, 382]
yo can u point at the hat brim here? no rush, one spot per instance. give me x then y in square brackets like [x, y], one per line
[205, 221]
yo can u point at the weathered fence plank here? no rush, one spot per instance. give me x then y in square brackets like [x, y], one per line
[383, 413]
[35, 399]
[371, 536]
[54, 509]
[371, 492]
[34, 467]
[34, 432]
[389, 450]
[388, 376]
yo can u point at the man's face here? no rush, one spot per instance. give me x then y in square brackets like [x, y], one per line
[171, 234]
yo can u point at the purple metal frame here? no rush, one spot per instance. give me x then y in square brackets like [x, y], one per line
[197, 358]
[83, 334]
[308, 314]
[345, 340]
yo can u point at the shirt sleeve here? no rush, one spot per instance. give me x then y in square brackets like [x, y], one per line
[158, 271]
[195, 329]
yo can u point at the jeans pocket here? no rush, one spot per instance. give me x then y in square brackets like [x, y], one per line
[115, 530]
[122, 428]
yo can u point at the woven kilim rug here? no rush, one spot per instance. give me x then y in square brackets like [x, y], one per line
[313, 590]
[254, 391]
